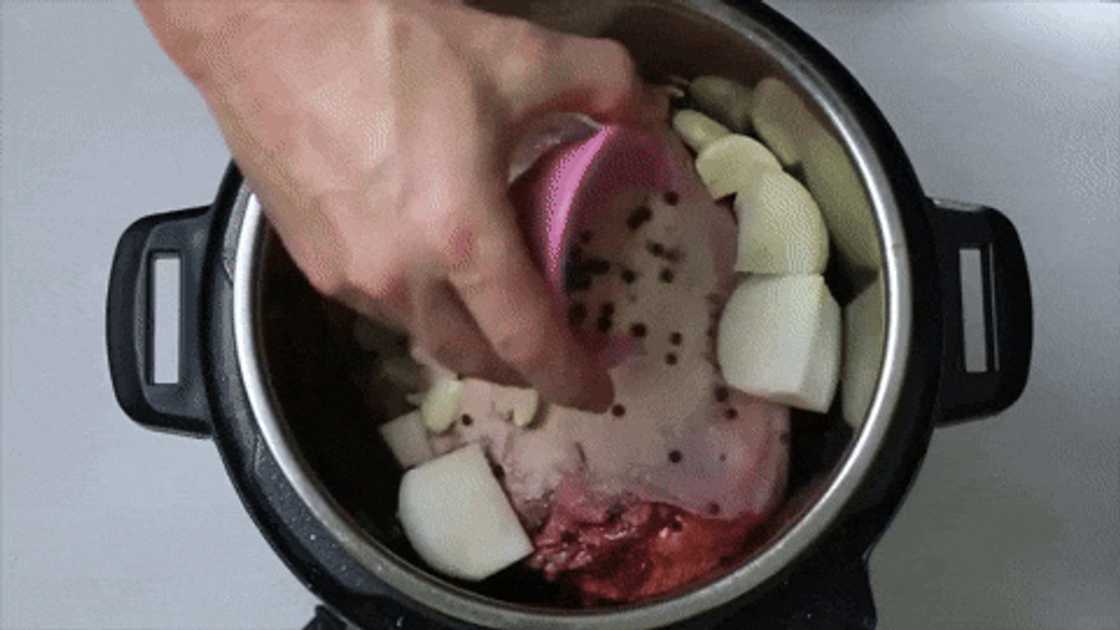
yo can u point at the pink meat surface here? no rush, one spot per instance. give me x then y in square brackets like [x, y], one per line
[620, 550]
[662, 489]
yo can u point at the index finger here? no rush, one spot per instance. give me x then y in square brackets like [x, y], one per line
[507, 296]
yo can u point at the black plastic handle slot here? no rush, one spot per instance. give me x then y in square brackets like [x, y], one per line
[1006, 305]
[181, 406]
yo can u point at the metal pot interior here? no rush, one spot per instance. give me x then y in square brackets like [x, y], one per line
[310, 360]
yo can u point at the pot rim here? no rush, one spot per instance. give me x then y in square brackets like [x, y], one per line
[796, 539]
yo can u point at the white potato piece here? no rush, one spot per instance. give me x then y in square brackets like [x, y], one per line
[780, 227]
[457, 517]
[779, 339]
[782, 120]
[407, 439]
[726, 100]
[863, 352]
[831, 178]
[697, 130]
[441, 404]
[732, 162]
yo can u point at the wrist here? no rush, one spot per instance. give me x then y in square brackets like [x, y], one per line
[208, 40]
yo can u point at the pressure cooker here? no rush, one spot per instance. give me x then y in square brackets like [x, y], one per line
[260, 376]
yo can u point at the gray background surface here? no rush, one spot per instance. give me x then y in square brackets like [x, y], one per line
[1014, 523]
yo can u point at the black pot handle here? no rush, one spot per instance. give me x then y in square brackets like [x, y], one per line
[1007, 311]
[179, 407]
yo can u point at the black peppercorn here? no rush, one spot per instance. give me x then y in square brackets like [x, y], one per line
[597, 266]
[604, 324]
[638, 217]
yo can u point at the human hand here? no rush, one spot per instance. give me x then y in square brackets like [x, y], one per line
[378, 135]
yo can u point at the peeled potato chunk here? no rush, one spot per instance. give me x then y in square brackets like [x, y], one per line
[407, 439]
[863, 352]
[832, 178]
[457, 517]
[727, 101]
[440, 406]
[697, 130]
[782, 120]
[781, 229]
[733, 162]
[779, 339]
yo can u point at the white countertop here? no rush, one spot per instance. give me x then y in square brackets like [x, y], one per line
[1013, 524]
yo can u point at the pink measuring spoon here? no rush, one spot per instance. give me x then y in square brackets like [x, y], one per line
[566, 188]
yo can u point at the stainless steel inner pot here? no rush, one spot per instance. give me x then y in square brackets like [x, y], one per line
[294, 391]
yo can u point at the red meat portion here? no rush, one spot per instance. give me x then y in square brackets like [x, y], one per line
[626, 551]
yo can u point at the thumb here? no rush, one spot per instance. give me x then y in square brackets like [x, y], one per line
[596, 77]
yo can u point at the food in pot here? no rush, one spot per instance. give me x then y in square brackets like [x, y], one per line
[440, 405]
[862, 352]
[407, 438]
[456, 516]
[782, 120]
[779, 338]
[732, 163]
[728, 101]
[667, 486]
[697, 130]
[843, 202]
[781, 230]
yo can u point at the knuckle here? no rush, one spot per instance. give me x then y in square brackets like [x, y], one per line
[615, 57]
[380, 278]
[327, 279]
[616, 69]
[529, 50]
[382, 285]
[359, 279]
[353, 261]
[454, 238]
